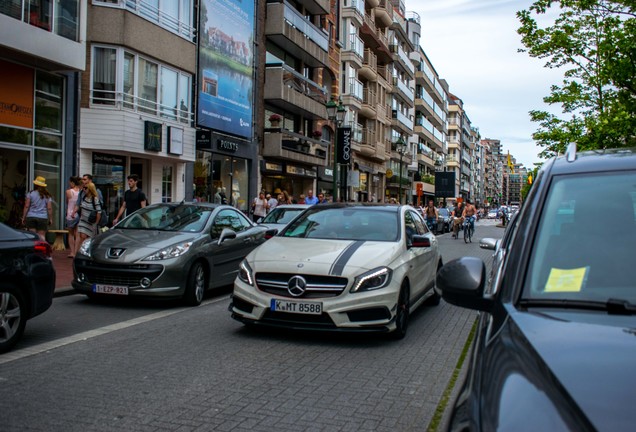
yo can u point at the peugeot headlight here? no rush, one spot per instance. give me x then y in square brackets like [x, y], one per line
[373, 279]
[169, 252]
[245, 273]
[85, 248]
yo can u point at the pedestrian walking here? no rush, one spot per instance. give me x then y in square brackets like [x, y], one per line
[134, 198]
[273, 202]
[310, 198]
[90, 211]
[72, 220]
[38, 211]
[259, 207]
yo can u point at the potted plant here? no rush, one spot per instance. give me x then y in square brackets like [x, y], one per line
[275, 119]
[316, 134]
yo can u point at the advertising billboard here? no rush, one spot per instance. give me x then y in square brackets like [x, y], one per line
[226, 52]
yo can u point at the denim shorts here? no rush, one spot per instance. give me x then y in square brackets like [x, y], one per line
[72, 223]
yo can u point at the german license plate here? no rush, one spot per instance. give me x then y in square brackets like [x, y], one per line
[110, 289]
[308, 308]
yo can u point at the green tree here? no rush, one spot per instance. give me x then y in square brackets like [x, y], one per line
[594, 41]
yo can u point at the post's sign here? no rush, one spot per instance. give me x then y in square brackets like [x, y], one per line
[445, 184]
[344, 146]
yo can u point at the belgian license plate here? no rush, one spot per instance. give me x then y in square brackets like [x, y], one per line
[110, 289]
[308, 308]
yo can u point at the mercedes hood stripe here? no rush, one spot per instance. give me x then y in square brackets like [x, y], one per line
[339, 264]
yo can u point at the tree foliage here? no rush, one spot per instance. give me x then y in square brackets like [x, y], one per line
[594, 41]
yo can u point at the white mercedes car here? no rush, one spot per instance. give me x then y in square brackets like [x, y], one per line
[352, 267]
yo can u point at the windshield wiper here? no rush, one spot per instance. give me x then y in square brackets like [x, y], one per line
[611, 306]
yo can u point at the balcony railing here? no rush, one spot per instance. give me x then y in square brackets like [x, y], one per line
[409, 93]
[123, 101]
[296, 19]
[356, 45]
[355, 88]
[357, 5]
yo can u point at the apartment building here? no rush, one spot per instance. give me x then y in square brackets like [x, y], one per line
[300, 64]
[135, 110]
[42, 53]
[430, 116]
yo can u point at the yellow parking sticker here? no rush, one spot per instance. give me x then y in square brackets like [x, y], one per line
[566, 280]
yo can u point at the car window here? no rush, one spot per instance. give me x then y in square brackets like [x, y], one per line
[229, 218]
[418, 221]
[184, 218]
[282, 215]
[584, 246]
[345, 223]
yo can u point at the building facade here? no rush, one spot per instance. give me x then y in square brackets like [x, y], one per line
[42, 53]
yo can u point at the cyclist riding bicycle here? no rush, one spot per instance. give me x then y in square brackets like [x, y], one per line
[469, 215]
[430, 211]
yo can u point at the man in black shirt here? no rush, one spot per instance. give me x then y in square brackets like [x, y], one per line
[134, 198]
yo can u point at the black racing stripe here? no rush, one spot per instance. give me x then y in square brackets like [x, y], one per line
[338, 266]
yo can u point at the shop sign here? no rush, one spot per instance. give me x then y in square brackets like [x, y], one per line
[226, 145]
[175, 140]
[295, 170]
[310, 173]
[16, 95]
[270, 166]
[204, 139]
[108, 159]
[344, 145]
[152, 136]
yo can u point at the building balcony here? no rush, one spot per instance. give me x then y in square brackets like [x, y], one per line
[425, 104]
[291, 146]
[297, 35]
[369, 103]
[384, 13]
[369, 67]
[353, 51]
[317, 7]
[402, 89]
[51, 46]
[402, 59]
[354, 10]
[375, 40]
[291, 91]
[353, 94]
[401, 122]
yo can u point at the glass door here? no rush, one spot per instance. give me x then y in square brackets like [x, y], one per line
[14, 175]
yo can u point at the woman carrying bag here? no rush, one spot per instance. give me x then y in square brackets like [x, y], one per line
[90, 213]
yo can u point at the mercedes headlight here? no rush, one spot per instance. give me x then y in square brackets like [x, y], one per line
[373, 279]
[173, 251]
[245, 273]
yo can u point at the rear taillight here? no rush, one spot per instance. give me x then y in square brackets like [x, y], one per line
[44, 248]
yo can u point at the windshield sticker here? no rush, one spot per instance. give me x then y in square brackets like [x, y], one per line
[566, 280]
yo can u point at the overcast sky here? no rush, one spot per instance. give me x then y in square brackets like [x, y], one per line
[473, 44]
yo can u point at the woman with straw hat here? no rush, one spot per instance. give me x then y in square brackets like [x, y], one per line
[38, 212]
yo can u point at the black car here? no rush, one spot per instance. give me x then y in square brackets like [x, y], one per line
[27, 282]
[445, 221]
[555, 346]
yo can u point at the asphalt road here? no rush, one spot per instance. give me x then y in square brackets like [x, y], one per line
[139, 366]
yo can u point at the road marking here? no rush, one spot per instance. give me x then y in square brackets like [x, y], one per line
[47, 346]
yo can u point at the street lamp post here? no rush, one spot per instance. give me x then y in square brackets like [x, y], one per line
[336, 113]
[400, 146]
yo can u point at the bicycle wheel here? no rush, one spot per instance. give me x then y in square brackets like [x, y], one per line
[467, 233]
[471, 231]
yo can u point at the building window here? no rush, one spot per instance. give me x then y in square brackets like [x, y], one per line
[128, 81]
[60, 17]
[166, 184]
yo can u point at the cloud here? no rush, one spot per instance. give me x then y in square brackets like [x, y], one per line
[473, 45]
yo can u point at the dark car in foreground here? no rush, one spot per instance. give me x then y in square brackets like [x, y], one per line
[555, 346]
[27, 282]
[168, 250]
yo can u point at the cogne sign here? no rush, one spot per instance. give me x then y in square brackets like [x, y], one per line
[344, 146]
